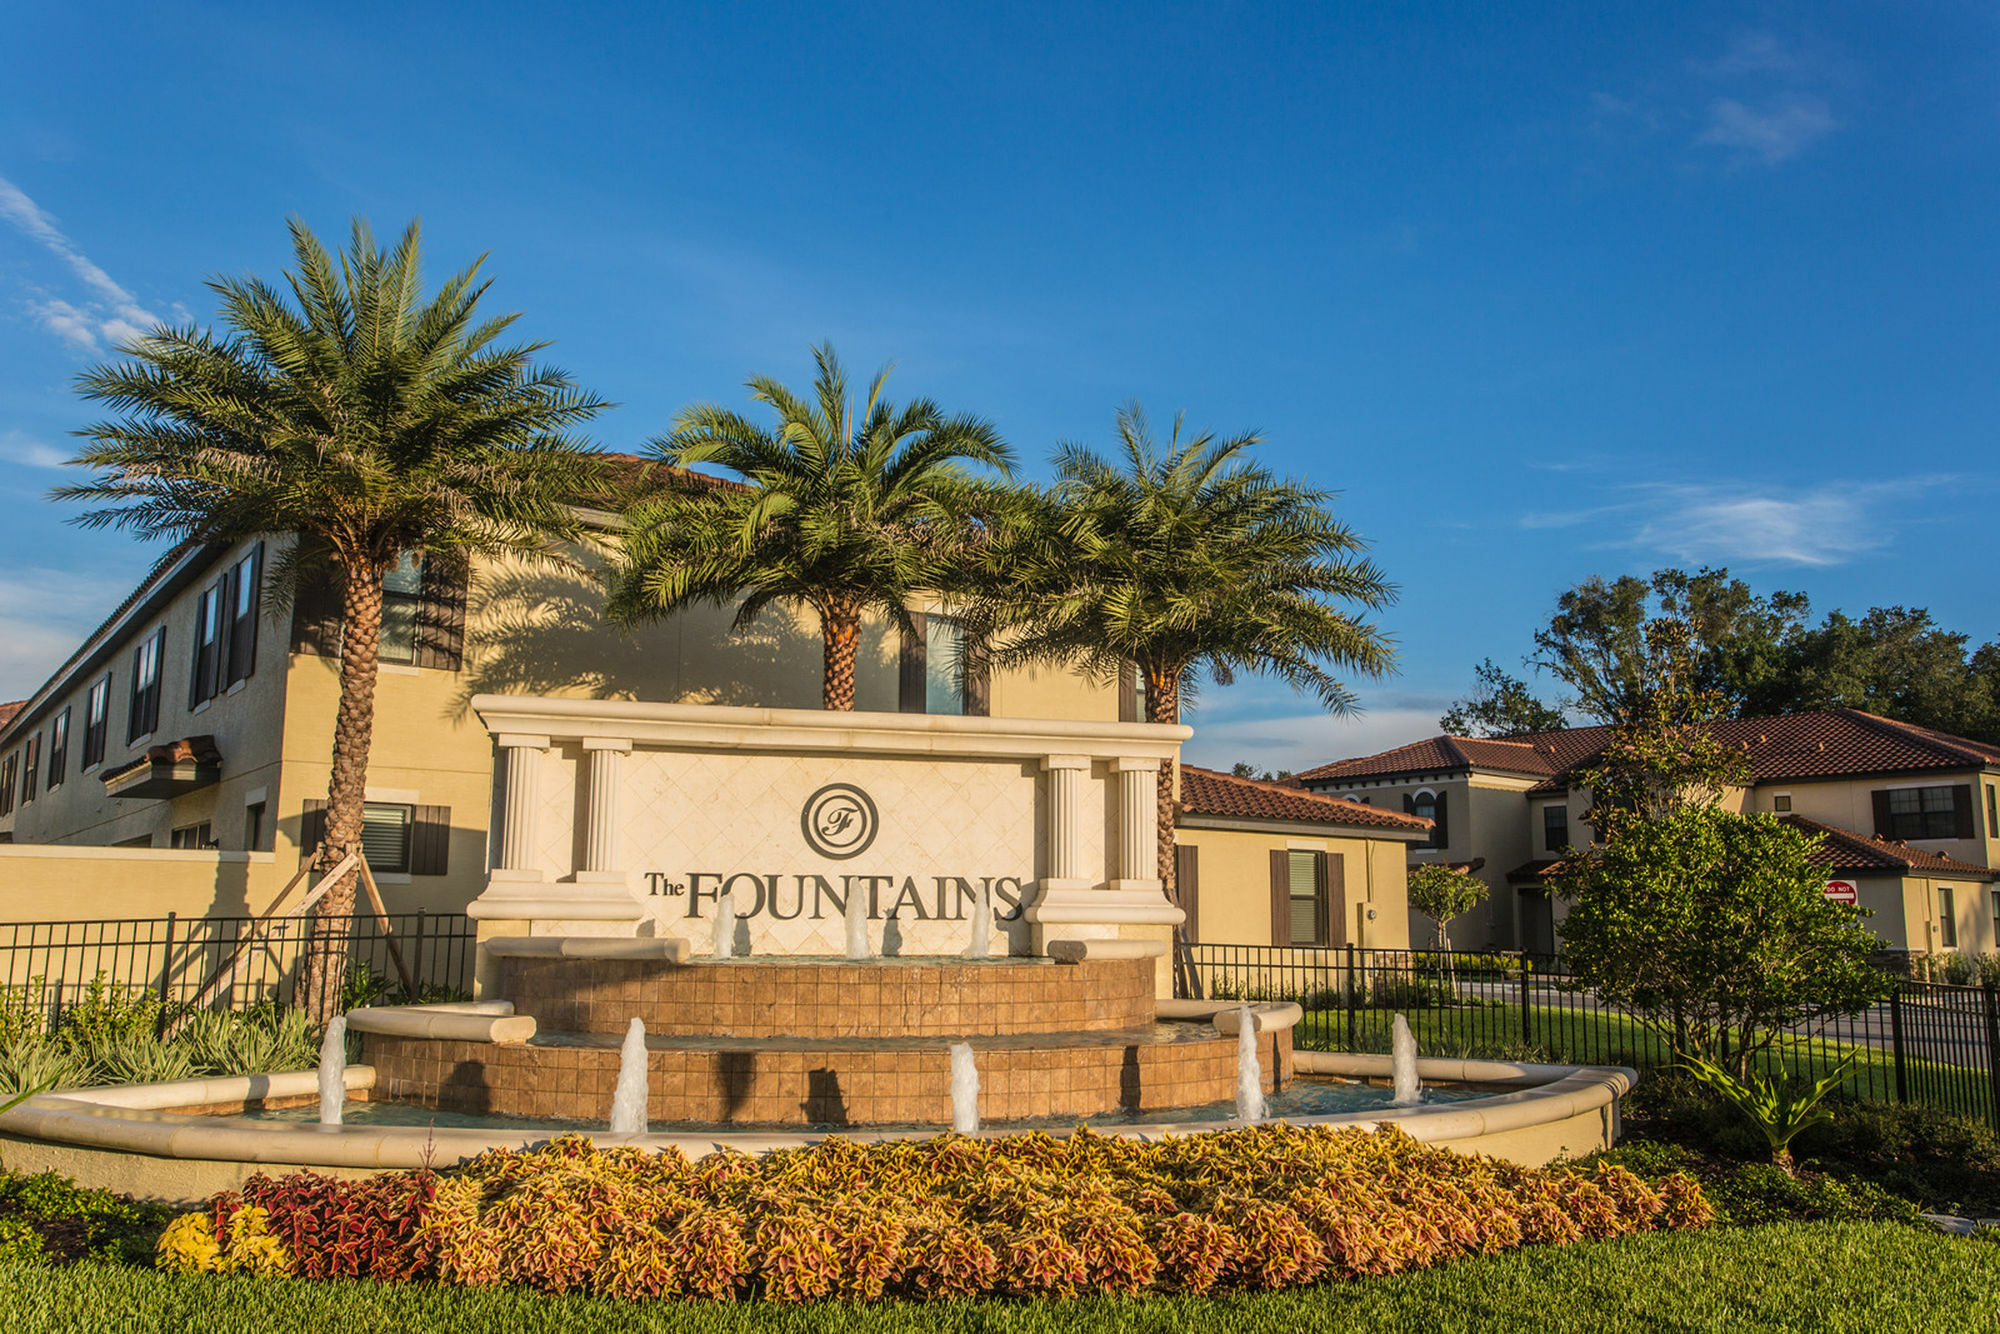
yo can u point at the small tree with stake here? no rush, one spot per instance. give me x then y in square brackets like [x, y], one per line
[1442, 894]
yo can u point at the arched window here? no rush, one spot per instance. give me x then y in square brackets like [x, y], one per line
[1430, 805]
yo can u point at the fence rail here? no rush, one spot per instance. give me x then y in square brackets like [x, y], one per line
[1927, 1043]
[48, 968]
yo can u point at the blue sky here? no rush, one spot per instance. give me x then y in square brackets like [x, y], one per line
[1577, 289]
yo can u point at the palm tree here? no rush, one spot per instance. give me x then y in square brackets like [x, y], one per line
[1175, 561]
[838, 510]
[365, 420]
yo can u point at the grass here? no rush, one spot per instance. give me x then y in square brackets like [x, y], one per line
[1872, 1277]
[1601, 1037]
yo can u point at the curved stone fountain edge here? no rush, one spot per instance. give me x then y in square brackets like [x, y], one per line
[125, 1139]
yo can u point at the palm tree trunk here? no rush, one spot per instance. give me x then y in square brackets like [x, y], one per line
[840, 626]
[1163, 705]
[353, 733]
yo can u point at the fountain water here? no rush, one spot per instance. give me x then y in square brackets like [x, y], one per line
[1249, 1070]
[628, 1097]
[964, 1089]
[333, 1071]
[982, 924]
[725, 924]
[857, 925]
[1407, 1090]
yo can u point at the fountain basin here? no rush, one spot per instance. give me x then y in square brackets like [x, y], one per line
[177, 1142]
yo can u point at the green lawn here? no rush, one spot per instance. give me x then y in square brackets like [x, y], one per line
[1609, 1038]
[1866, 1277]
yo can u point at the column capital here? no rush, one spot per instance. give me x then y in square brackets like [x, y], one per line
[1127, 764]
[618, 745]
[520, 741]
[1054, 762]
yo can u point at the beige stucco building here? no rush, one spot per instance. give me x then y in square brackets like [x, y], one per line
[1909, 818]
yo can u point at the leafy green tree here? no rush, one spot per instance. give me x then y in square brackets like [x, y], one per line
[1595, 641]
[1501, 705]
[839, 510]
[365, 419]
[1713, 928]
[1180, 559]
[1443, 895]
[1898, 662]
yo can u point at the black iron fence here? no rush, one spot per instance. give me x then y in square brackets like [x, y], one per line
[223, 963]
[1927, 1043]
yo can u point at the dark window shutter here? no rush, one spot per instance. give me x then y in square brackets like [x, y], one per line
[1335, 872]
[1281, 897]
[430, 841]
[1961, 806]
[316, 616]
[912, 664]
[243, 629]
[1885, 823]
[978, 682]
[312, 828]
[1409, 804]
[1128, 694]
[1442, 834]
[441, 614]
[1187, 889]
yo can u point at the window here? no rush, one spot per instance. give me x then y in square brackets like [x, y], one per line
[942, 640]
[241, 617]
[1308, 898]
[31, 767]
[144, 714]
[1922, 812]
[1555, 827]
[96, 721]
[7, 776]
[1782, 803]
[205, 674]
[1996, 909]
[1947, 919]
[58, 749]
[253, 827]
[1992, 815]
[928, 679]
[402, 599]
[192, 836]
[385, 835]
[1430, 805]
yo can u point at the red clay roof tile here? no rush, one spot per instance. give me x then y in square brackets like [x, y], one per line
[1206, 792]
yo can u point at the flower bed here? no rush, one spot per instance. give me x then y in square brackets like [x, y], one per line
[1257, 1209]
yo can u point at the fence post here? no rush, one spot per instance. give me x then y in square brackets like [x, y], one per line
[1351, 998]
[1992, 1055]
[166, 974]
[1896, 1039]
[417, 967]
[1527, 1014]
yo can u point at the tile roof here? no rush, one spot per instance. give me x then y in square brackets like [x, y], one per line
[9, 709]
[1206, 792]
[1827, 743]
[1840, 850]
[1844, 850]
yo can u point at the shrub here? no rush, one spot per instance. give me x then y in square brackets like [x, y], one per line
[49, 1218]
[1263, 1208]
[112, 1038]
[1746, 1194]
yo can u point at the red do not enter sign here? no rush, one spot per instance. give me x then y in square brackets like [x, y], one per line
[1842, 891]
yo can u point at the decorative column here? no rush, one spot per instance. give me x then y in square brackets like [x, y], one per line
[1138, 823]
[1078, 916]
[1066, 774]
[517, 888]
[602, 819]
[522, 764]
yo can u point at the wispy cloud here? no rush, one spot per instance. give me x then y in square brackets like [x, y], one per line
[1779, 129]
[1747, 524]
[1755, 52]
[22, 448]
[108, 314]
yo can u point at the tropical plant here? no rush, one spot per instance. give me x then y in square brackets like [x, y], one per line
[1172, 560]
[1777, 1107]
[364, 419]
[842, 509]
